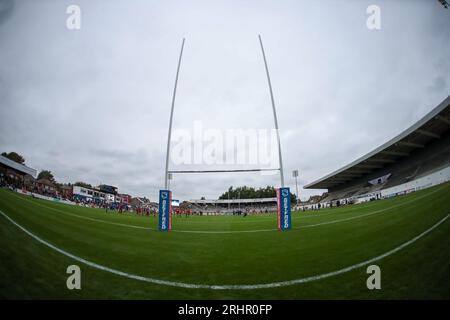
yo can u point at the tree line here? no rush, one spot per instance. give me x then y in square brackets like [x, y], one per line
[246, 192]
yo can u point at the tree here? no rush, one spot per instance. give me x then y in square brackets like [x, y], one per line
[46, 174]
[82, 184]
[293, 198]
[249, 193]
[14, 156]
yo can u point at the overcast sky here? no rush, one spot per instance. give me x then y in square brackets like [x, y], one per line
[93, 104]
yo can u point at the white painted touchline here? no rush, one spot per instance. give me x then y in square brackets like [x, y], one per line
[219, 232]
[237, 231]
[145, 228]
[376, 212]
[295, 216]
[233, 286]
[322, 223]
[250, 231]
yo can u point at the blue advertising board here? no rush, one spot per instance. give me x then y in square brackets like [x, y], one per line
[284, 208]
[165, 210]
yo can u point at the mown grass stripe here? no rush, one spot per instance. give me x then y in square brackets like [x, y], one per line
[227, 287]
[359, 216]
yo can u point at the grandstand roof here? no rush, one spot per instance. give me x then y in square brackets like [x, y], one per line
[430, 127]
[17, 166]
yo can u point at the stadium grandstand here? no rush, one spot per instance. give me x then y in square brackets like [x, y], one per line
[231, 206]
[417, 158]
[13, 173]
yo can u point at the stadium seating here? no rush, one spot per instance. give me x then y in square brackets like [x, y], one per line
[434, 156]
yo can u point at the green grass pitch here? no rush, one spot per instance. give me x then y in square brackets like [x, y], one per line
[217, 252]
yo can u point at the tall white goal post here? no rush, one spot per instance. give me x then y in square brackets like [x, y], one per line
[283, 193]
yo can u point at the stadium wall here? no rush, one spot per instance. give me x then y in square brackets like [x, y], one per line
[39, 196]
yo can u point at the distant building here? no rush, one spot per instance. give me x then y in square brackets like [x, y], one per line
[109, 191]
[101, 194]
[45, 187]
[124, 199]
[88, 194]
[66, 191]
[29, 182]
[13, 173]
[314, 199]
[141, 202]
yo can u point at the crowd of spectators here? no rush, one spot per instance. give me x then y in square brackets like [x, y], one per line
[40, 188]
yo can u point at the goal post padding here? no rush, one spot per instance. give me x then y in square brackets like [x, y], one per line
[165, 210]
[284, 209]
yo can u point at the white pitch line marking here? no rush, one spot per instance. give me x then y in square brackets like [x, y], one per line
[233, 286]
[236, 231]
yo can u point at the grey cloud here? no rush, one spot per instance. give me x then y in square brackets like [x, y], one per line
[6, 9]
[439, 85]
[93, 104]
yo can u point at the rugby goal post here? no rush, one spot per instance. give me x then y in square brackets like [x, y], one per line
[283, 193]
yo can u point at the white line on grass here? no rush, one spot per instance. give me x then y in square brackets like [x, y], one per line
[321, 223]
[232, 286]
[231, 231]
[143, 228]
[366, 214]
[238, 231]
